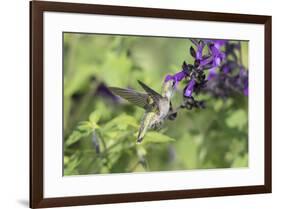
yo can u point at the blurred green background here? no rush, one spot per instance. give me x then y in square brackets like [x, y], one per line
[100, 131]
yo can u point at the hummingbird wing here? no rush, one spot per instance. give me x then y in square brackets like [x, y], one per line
[140, 99]
[154, 95]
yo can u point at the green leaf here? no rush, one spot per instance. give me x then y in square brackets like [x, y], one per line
[237, 119]
[141, 151]
[74, 137]
[121, 122]
[155, 137]
[85, 128]
[95, 117]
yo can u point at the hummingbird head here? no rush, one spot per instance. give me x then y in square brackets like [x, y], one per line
[168, 88]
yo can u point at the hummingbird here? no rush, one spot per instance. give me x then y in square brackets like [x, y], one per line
[158, 107]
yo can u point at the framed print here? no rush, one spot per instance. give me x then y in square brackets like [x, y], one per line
[138, 104]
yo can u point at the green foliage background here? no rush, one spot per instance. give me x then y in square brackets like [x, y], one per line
[215, 137]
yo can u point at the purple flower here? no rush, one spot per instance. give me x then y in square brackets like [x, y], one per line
[219, 43]
[176, 78]
[212, 73]
[199, 52]
[243, 75]
[213, 59]
[190, 87]
[205, 62]
[231, 77]
[246, 91]
[217, 55]
[226, 74]
[169, 77]
[180, 75]
[225, 69]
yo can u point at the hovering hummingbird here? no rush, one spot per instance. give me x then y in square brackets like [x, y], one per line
[158, 107]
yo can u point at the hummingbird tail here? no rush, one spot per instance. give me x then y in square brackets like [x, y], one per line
[142, 131]
[145, 125]
[139, 140]
[140, 136]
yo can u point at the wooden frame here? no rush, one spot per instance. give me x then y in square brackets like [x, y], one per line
[37, 9]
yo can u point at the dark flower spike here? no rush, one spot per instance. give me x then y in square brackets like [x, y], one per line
[190, 102]
[186, 68]
[225, 75]
[197, 63]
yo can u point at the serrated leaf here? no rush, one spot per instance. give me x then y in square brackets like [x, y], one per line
[155, 137]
